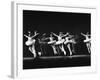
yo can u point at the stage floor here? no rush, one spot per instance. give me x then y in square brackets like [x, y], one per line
[56, 61]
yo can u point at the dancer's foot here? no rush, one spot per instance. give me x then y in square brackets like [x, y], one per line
[39, 53]
[35, 55]
[65, 53]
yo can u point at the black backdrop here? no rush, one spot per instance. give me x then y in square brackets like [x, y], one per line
[45, 21]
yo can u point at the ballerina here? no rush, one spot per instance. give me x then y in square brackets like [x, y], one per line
[31, 42]
[42, 43]
[60, 41]
[68, 41]
[87, 41]
[52, 43]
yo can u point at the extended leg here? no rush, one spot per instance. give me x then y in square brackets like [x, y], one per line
[73, 49]
[54, 49]
[90, 47]
[62, 47]
[30, 49]
[69, 49]
[33, 51]
[87, 47]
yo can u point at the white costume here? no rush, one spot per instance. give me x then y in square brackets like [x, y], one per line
[60, 42]
[52, 43]
[31, 43]
[67, 42]
[87, 41]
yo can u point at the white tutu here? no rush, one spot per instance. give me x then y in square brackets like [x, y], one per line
[51, 42]
[60, 42]
[87, 40]
[30, 42]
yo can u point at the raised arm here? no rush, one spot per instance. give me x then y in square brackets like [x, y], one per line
[55, 34]
[26, 36]
[83, 34]
[65, 35]
[35, 35]
[46, 38]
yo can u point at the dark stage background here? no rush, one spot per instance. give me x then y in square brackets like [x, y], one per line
[46, 22]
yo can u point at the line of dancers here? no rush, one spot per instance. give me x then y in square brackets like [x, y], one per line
[57, 45]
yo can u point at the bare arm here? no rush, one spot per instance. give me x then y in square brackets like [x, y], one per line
[34, 35]
[46, 38]
[83, 34]
[55, 34]
[65, 35]
[26, 36]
